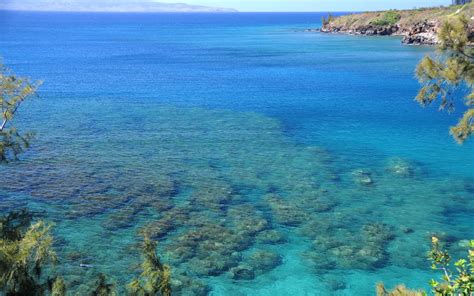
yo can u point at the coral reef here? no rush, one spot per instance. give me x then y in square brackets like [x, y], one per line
[272, 237]
[365, 251]
[247, 220]
[242, 272]
[258, 263]
[221, 207]
[263, 261]
[168, 222]
[188, 286]
[402, 168]
[363, 177]
[285, 212]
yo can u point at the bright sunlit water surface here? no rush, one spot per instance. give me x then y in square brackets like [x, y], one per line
[265, 159]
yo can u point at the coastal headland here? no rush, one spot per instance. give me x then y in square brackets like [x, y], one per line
[417, 26]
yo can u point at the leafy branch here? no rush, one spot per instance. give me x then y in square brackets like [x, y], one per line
[459, 281]
[14, 91]
[452, 70]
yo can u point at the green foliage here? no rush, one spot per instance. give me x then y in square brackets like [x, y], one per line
[389, 18]
[328, 20]
[155, 277]
[59, 287]
[457, 281]
[14, 91]
[24, 254]
[14, 225]
[103, 288]
[26, 248]
[450, 71]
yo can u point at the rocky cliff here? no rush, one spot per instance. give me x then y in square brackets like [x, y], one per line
[417, 27]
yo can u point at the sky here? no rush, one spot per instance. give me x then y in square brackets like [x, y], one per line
[260, 5]
[319, 5]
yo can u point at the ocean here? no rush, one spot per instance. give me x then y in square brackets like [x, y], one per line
[265, 159]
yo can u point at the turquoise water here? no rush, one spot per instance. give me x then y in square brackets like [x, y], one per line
[265, 159]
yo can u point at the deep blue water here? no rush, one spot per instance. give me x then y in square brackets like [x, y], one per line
[188, 122]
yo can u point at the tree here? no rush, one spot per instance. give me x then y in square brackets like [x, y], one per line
[59, 287]
[14, 91]
[327, 21]
[103, 288]
[25, 249]
[155, 278]
[452, 72]
[459, 281]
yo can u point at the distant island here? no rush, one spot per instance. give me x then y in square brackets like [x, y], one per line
[108, 6]
[417, 26]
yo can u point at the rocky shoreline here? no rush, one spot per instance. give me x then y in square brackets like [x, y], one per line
[423, 33]
[416, 26]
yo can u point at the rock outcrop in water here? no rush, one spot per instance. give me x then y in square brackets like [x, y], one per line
[417, 27]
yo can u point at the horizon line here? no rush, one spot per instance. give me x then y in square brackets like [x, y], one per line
[205, 12]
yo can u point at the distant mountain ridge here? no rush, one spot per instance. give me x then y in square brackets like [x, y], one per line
[107, 6]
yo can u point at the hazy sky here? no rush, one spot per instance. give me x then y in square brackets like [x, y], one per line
[265, 5]
[319, 5]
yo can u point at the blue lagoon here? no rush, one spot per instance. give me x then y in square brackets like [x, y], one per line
[266, 160]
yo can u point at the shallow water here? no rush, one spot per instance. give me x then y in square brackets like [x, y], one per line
[295, 161]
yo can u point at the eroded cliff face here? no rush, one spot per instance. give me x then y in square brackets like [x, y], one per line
[417, 27]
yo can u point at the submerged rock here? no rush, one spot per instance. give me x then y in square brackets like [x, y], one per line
[286, 213]
[242, 272]
[258, 263]
[247, 220]
[365, 249]
[363, 177]
[335, 283]
[213, 264]
[400, 167]
[168, 223]
[271, 237]
[214, 196]
[263, 261]
[187, 286]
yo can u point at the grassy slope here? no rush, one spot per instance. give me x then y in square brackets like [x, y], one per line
[408, 17]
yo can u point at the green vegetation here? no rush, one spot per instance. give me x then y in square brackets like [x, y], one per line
[14, 91]
[155, 277]
[59, 287]
[326, 21]
[405, 19]
[103, 288]
[454, 282]
[459, 281]
[452, 71]
[26, 249]
[389, 18]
